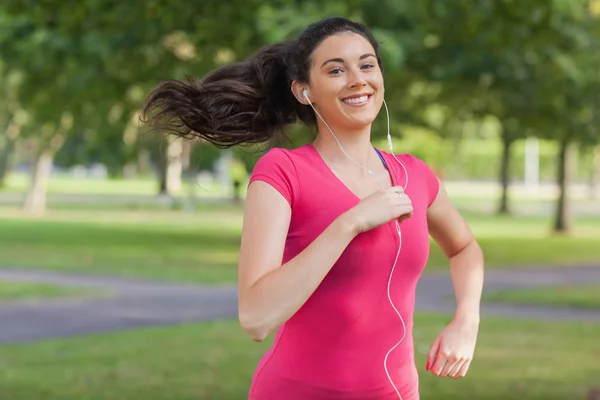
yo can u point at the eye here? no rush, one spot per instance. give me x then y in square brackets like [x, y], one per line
[368, 66]
[335, 71]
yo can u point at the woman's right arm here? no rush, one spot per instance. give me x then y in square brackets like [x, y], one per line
[270, 293]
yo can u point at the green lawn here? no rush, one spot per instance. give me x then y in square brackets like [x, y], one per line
[65, 184]
[173, 246]
[18, 182]
[514, 360]
[203, 246]
[575, 296]
[33, 291]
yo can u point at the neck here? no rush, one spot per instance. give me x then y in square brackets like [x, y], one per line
[357, 144]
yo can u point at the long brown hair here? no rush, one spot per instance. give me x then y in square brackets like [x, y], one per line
[249, 101]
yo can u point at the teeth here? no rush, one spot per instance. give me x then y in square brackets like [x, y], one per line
[357, 100]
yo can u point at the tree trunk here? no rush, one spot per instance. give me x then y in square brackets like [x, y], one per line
[505, 174]
[174, 166]
[10, 140]
[35, 200]
[144, 163]
[171, 167]
[186, 154]
[52, 136]
[595, 176]
[162, 174]
[130, 170]
[562, 222]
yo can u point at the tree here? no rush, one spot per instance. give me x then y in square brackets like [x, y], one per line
[81, 63]
[570, 95]
[486, 64]
[12, 118]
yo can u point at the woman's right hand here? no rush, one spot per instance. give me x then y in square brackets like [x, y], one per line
[380, 208]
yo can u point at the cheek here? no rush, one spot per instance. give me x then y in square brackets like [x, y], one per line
[332, 87]
[377, 82]
[328, 94]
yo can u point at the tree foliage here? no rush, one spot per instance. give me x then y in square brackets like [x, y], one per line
[530, 65]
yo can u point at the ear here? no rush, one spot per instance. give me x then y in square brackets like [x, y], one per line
[297, 89]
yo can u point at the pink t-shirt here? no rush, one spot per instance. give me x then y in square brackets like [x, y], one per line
[334, 346]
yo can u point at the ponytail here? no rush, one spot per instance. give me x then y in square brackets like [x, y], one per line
[242, 103]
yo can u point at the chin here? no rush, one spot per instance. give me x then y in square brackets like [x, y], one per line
[361, 122]
[361, 117]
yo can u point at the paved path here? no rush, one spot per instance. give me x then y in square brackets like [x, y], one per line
[435, 292]
[136, 303]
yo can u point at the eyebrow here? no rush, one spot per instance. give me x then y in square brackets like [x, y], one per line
[341, 60]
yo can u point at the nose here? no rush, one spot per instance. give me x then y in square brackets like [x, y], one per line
[356, 79]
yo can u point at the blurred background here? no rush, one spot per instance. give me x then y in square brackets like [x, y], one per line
[118, 246]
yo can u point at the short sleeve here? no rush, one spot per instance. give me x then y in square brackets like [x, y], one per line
[278, 170]
[430, 179]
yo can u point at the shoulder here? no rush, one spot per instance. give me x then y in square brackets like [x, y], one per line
[408, 160]
[278, 167]
[427, 176]
[419, 174]
[278, 160]
[275, 156]
[419, 164]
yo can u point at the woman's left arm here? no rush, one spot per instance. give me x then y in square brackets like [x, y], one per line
[452, 351]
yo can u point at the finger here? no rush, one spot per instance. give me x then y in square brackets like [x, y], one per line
[451, 361]
[397, 189]
[431, 356]
[395, 196]
[404, 217]
[440, 363]
[405, 210]
[463, 370]
[453, 372]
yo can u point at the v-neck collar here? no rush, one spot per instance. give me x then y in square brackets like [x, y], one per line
[329, 171]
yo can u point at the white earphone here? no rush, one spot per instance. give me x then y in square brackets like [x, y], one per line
[389, 139]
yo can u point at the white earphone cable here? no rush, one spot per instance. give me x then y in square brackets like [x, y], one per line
[389, 138]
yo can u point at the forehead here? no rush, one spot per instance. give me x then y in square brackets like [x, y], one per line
[348, 46]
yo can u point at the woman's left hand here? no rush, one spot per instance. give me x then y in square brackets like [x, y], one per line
[452, 352]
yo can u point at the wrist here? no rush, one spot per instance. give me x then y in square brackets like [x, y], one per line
[467, 316]
[351, 222]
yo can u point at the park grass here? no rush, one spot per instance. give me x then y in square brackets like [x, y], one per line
[66, 184]
[170, 246]
[565, 296]
[515, 241]
[96, 191]
[203, 246]
[10, 291]
[515, 359]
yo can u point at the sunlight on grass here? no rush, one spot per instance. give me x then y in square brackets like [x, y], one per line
[68, 184]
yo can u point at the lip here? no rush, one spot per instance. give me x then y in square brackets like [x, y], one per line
[355, 96]
[369, 96]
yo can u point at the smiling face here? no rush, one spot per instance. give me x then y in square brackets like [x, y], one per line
[346, 82]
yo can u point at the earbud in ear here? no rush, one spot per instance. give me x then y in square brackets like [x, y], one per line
[305, 93]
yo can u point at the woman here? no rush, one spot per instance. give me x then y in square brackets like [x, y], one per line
[335, 235]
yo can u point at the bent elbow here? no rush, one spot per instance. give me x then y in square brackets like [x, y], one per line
[256, 331]
[257, 338]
